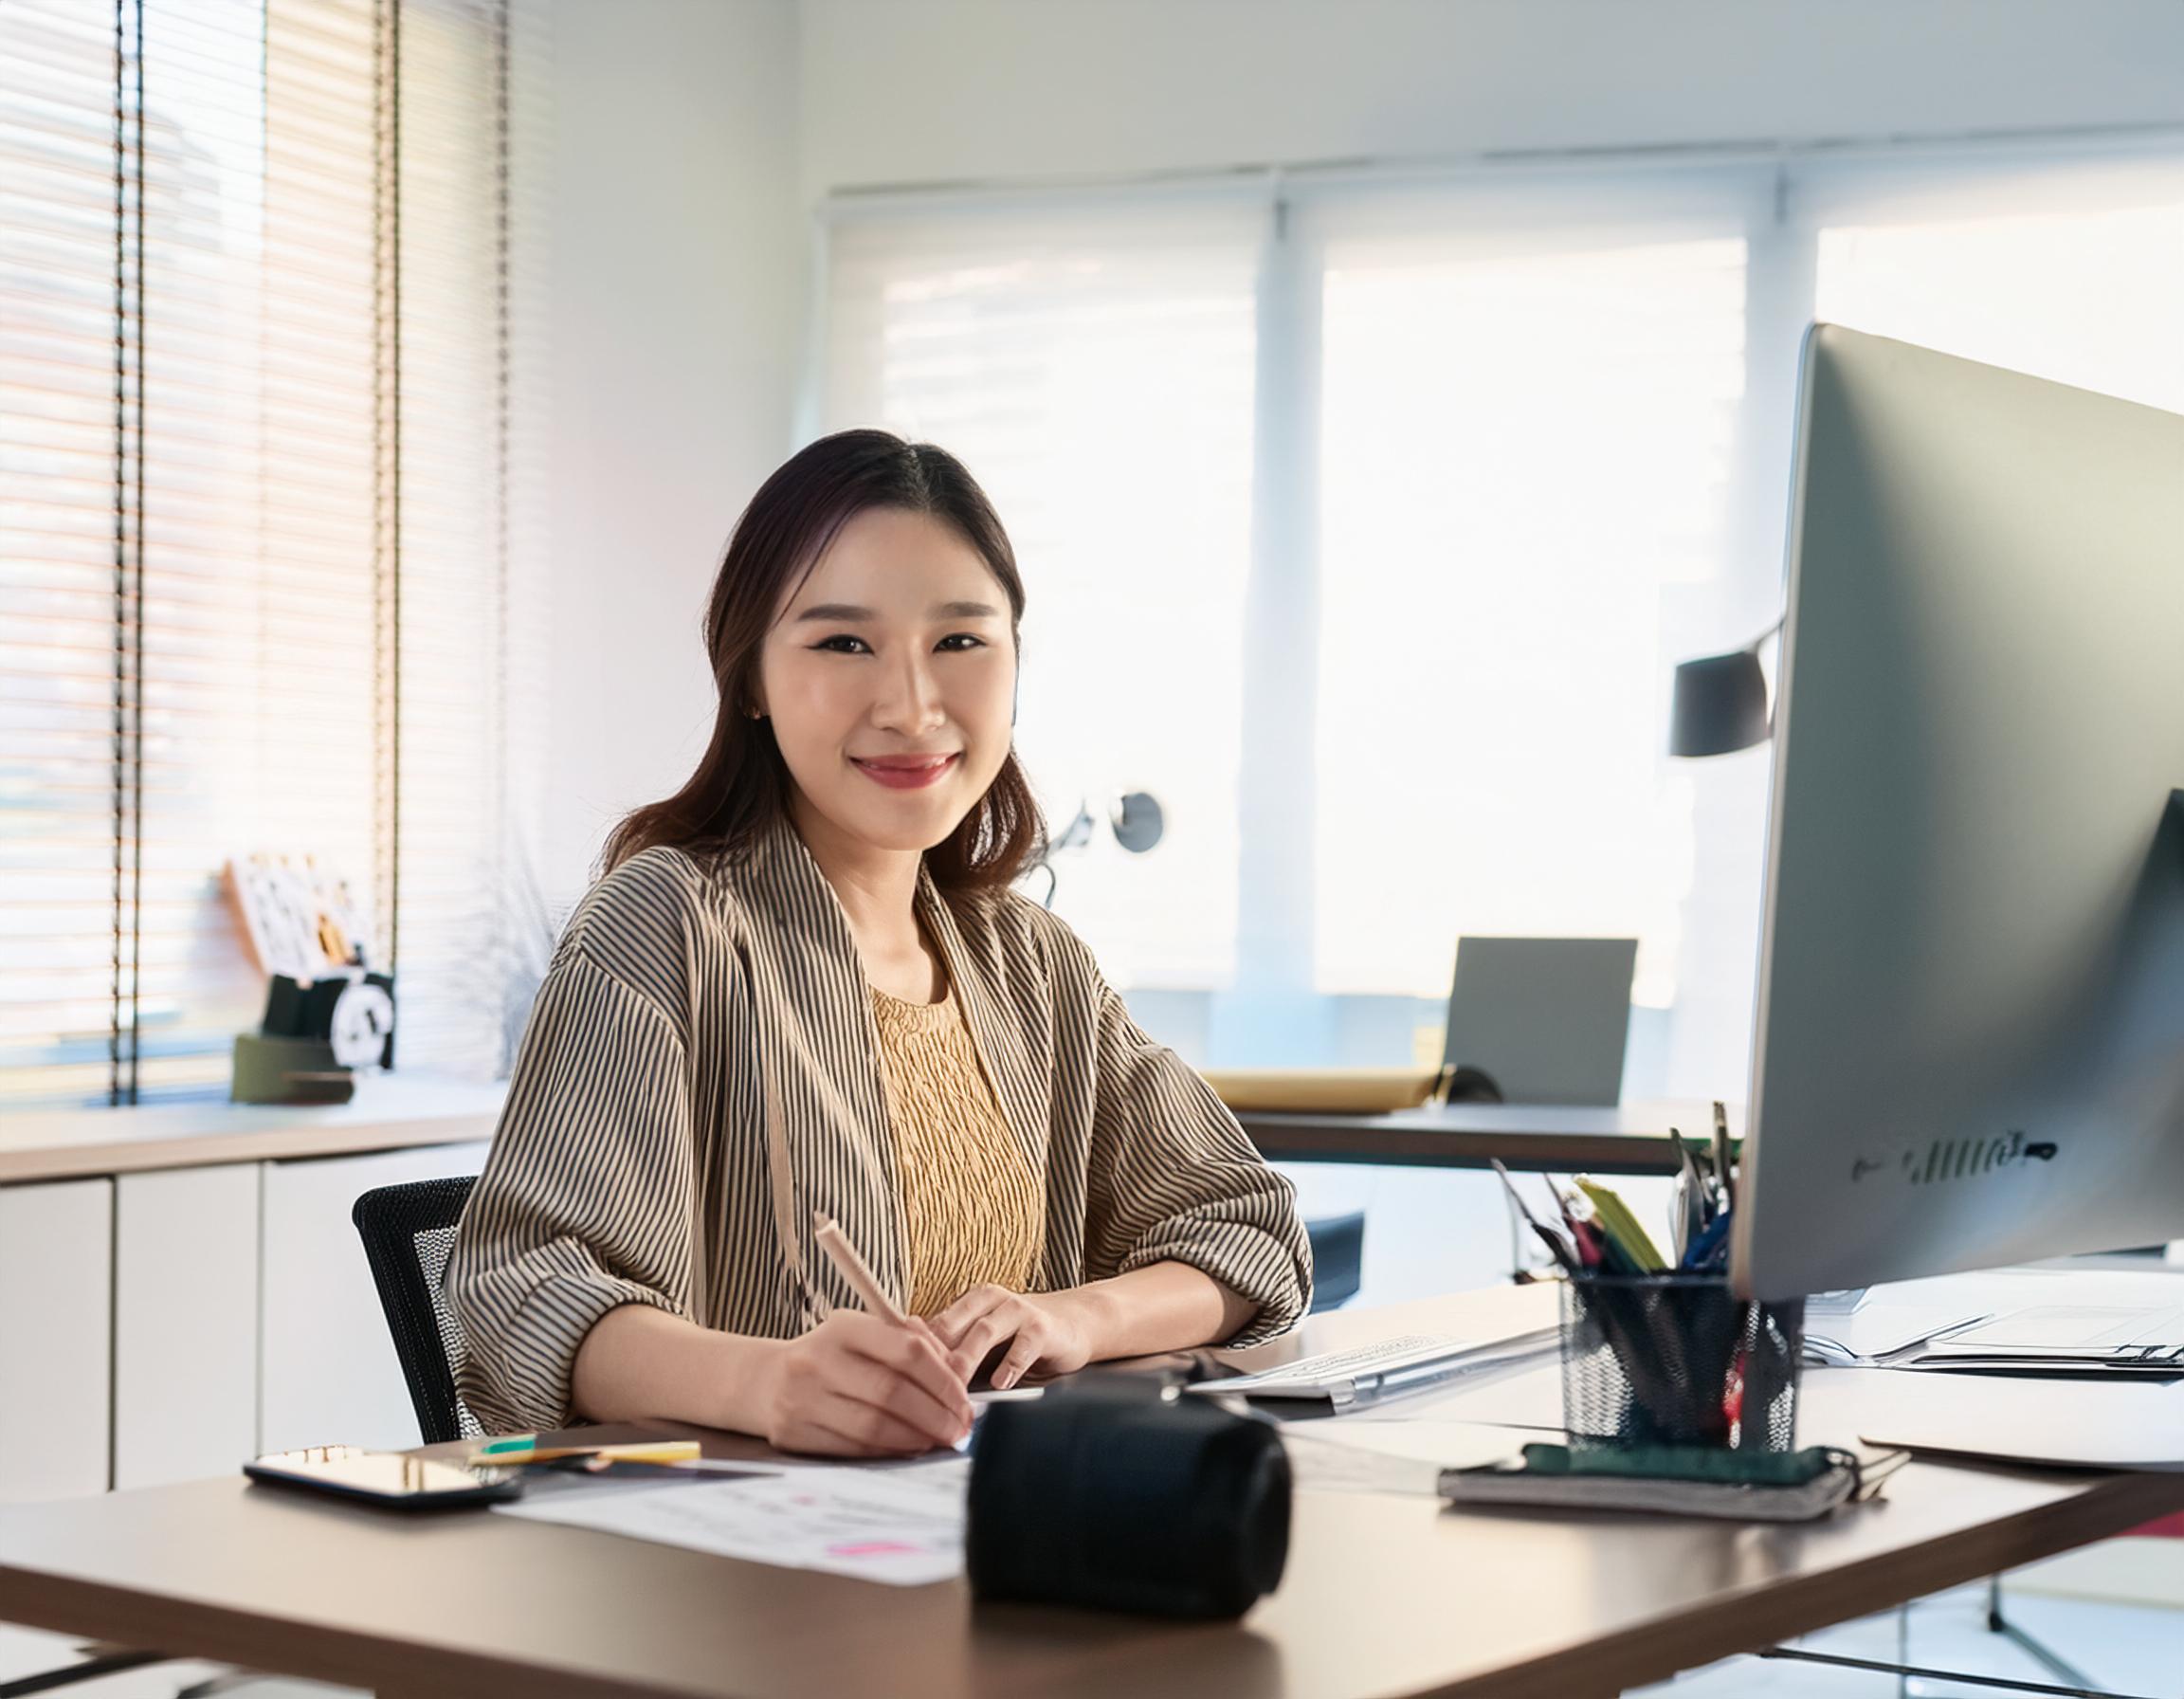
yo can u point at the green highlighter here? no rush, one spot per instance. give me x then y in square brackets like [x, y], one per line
[1622, 1227]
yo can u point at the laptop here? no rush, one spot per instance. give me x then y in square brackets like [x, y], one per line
[1367, 1374]
[1545, 1018]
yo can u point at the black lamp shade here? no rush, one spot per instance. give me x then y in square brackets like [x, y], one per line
[1720, 704]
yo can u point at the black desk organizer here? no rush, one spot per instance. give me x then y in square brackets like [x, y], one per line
[1678, 1360]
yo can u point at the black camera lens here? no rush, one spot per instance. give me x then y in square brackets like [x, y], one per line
[1122, 1500]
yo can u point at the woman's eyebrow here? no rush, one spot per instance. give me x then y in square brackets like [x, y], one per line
[845, 611]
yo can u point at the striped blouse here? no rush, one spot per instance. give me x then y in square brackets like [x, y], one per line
[702, 1071]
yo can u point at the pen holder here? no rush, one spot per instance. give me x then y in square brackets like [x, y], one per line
[1678, 1360]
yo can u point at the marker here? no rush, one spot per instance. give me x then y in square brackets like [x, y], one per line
[1722, 1171]
[523, 1448]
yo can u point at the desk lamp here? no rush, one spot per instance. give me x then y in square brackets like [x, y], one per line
[1720, 703]
[1135, 818]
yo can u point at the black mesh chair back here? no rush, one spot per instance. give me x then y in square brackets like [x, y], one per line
[408, 1232]
[1338, 1258]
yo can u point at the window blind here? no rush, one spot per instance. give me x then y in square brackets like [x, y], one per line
[66, 599]
[1094, 366]
[1527, 426]
[472, 576]
[1529, 438]
[228, 622]
[2069, 270]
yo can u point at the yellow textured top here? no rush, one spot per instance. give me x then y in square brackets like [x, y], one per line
[972, 1210]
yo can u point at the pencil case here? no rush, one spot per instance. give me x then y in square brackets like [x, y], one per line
[1770, 1486]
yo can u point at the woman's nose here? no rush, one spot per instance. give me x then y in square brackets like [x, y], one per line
[912, 695]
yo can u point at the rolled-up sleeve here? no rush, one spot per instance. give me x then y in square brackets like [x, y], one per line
[1172, 1178]
[585, 1203]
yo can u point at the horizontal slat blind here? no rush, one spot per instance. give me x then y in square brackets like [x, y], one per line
[67, 390]
[223, 395]
[259, 335]
[472, 588]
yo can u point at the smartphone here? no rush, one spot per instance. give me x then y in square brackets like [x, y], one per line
[395, 1478]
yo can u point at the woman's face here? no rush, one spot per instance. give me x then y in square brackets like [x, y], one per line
[890, 676]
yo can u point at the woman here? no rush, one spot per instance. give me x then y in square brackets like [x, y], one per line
[805, 984]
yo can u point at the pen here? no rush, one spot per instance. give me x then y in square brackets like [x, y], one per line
[1557, 1245]
[1703, 1254]
[1722, 1155]
[842, 1254]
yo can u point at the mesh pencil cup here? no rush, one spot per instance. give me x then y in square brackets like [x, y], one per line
[1678, 1360]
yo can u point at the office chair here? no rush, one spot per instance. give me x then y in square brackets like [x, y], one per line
[408, 1232]
[1338, 1258]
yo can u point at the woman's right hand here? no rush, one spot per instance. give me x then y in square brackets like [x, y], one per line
[859, 1385]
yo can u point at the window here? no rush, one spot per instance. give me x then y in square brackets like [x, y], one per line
[1520, 441]
[1527, 428]
[1095, 371]
[258, 551]
[2071, 272]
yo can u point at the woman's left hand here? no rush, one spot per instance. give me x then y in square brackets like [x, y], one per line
[1048, 1332]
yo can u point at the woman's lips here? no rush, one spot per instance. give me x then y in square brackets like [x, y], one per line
[907, 778]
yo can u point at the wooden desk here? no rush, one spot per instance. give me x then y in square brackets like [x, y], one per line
[1627, 1139]
[1383, 1595]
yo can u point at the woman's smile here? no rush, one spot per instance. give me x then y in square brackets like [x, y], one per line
[907, 772]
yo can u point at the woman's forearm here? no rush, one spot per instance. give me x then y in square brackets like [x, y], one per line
[1163, 1307]
[642, 1363]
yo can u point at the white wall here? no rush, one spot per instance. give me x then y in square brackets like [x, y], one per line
[677, 288]
[901, 91]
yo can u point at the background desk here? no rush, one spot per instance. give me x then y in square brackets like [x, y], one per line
[1383, 1595]
[1529, 1138]
[407, 1113]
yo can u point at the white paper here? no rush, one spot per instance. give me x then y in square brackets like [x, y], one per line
[1400, 1457]
[903, 1527]
[1888, 1330]
[2071, 1423]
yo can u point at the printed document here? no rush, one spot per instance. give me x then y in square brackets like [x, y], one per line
[903, 1527]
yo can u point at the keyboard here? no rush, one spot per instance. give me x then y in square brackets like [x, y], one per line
[1366, 1374]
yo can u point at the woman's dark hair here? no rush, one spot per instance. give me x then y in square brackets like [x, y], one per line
[741, 786]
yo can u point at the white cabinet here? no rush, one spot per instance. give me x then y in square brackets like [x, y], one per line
[185, 1323]
[328, 1374]
[55, 1339]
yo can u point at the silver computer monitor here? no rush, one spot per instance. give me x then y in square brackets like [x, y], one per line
[1969, 1047]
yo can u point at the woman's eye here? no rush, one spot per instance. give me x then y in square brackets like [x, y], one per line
[828, 643]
